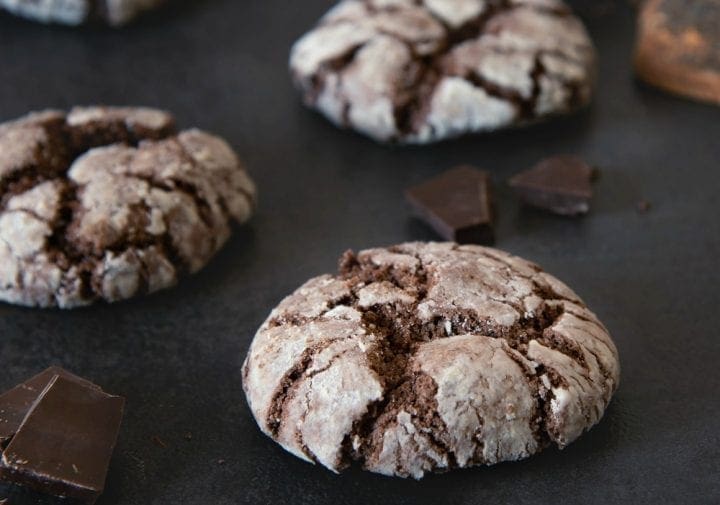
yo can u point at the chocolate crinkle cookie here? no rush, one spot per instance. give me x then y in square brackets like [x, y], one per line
[426, 357]
[108, 203]
[419, 71]
[77, 12]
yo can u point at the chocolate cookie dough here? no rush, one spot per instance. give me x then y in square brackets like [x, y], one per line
[426, 357]
[109, 203]
[419, 71]
[77, 12]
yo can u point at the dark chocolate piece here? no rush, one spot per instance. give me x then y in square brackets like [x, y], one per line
[457, 205]
[561, 184]
[64, 445]
[643, 206]
[15, 404]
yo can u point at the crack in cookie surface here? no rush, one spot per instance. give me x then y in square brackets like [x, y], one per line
[474, 357]
[400, 333]
[424, 71]
[108, 203]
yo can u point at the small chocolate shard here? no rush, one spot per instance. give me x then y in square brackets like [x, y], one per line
[561, 184]
[64, 445]
[15, 404]
[457, 205]
[643, 206]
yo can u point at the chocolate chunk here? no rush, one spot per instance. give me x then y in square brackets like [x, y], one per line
[457, 205]
[678, 47]
[15, 404]
[643, 206]
[561, 184]
[64, 445]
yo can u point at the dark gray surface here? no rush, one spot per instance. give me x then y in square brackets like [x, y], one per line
[221, 65]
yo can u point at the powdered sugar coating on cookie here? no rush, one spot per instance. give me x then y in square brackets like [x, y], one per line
[76, 12]
[108, 203]
[426, 70]
[427, 357]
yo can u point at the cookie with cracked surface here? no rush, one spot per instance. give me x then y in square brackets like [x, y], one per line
[420, 71]
[426, 357]
[77, 12]
[108, 203]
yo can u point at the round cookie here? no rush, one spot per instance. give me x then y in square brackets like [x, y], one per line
[678, 47]
[426, 357]
[109, 203]
[420, 71]
[77, 12]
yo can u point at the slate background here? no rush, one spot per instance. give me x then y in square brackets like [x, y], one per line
[221, 65]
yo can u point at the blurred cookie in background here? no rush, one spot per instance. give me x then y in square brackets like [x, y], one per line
[678, 47]
[77, 12]
[416, 73]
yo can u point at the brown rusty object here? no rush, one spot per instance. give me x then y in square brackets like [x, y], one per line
[678, 47]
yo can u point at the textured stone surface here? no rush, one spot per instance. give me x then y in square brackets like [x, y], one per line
[108, 203]
[76, 12]
[426, 357]
[426, 70]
